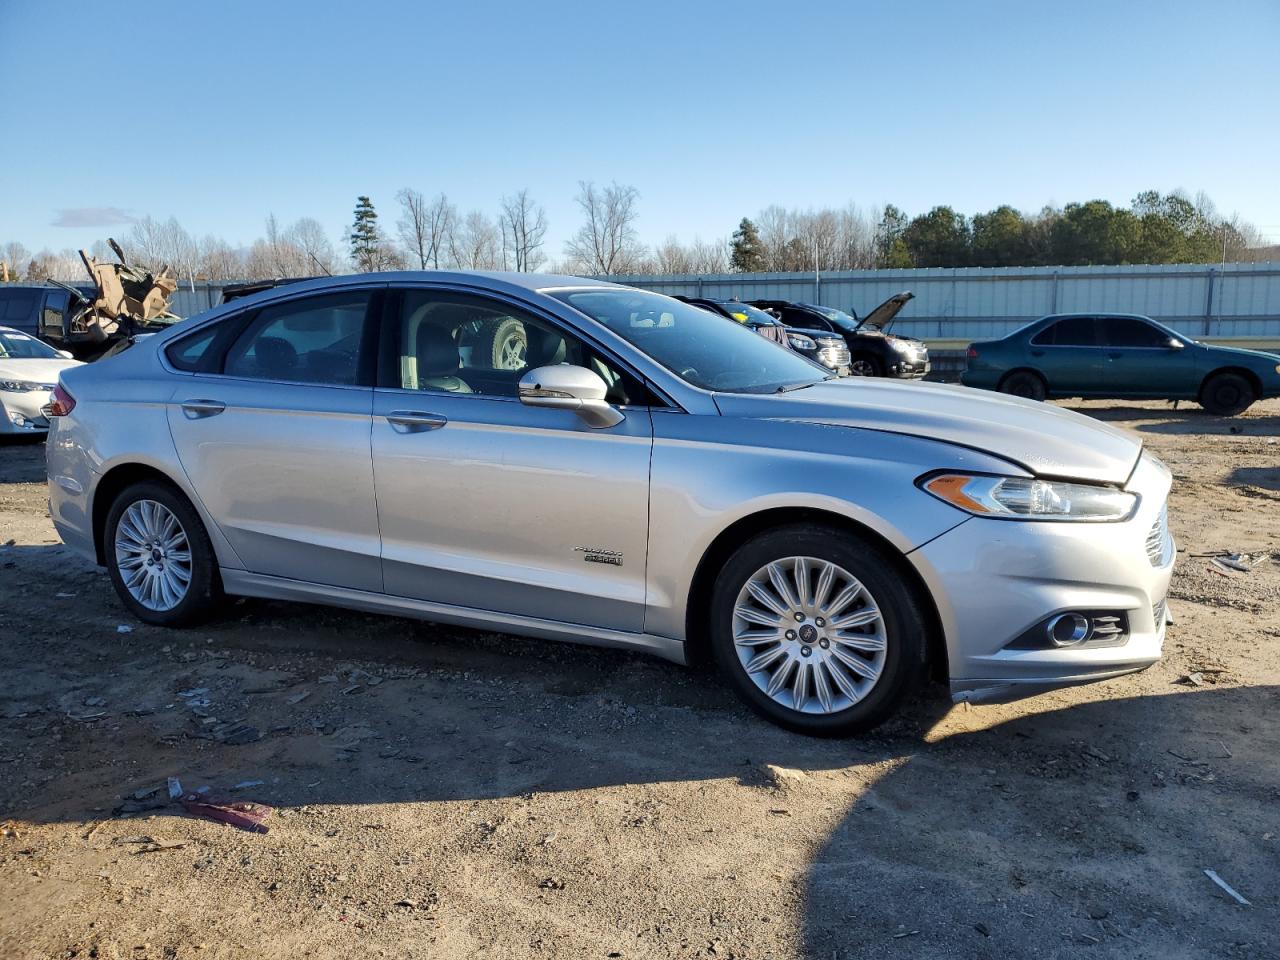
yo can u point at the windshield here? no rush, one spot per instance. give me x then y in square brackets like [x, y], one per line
[838, 317]
[18, 346]
[700, 347]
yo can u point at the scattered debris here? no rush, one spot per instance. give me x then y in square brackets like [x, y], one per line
[194, 692]
[175, 788]
[124, 628]
[1212, 875]
[905, 933]
[241, 734]
[552, 883]
[298, 697]
[1194, 679]
[240, 813]
[1240, 562]
[246, 784]
[983, 929]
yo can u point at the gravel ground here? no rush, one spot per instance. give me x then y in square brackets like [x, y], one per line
[447, 793]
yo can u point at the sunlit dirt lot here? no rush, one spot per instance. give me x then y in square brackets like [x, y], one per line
[444, 793]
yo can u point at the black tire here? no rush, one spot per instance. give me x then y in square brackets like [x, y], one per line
[865, 365]
[204, 591]
[1227, 394]
[1024, 383]
[493, 340]
[904, 625]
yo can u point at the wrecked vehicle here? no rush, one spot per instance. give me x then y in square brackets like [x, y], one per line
[88, 319]
[651, 478]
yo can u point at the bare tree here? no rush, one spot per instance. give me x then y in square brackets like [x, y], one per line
[474, 244]
[425, 226]
[16, 258]
[316, 251]
[218, 261]
[606, 243]
[524, 227]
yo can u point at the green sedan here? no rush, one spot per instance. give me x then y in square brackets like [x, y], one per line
[1123, 356]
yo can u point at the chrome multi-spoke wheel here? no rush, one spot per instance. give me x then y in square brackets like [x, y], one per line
[153, 555]
[809, 634]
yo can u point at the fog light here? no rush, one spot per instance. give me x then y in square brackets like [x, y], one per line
[1067, 629]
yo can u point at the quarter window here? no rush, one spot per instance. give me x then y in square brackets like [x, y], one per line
[186, 354]
[1071, 332]
[457, 343]
[1129, 332]
[314, 340]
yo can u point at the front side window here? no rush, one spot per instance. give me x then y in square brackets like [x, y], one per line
[18, 346]
[313, 340]
[1128, 332]
[1071, 332]
[460, 343]
[17, 305]
[701, 348]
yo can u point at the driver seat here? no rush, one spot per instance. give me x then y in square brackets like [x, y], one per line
[439, 361]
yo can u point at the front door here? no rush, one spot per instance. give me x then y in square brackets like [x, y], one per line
[489, 504]
[1140, 362]
[275, 441]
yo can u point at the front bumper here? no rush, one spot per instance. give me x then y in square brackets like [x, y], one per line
[20, 413]
[995, 580]
[907, 368]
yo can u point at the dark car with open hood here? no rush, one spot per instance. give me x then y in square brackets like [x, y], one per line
[873, 351]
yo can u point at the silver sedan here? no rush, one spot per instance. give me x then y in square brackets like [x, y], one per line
[582, 461]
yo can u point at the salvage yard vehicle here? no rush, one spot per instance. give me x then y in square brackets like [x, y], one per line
[1122, 356]
[652, 478]
[29, 371]
[820, 346]
[89, 319]
[874, 352]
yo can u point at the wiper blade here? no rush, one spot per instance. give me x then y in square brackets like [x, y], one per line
[788, 387]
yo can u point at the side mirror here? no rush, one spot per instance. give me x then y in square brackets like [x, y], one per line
[66, 355]
[563, 386]
[1174, 344]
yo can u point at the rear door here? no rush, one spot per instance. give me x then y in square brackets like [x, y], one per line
[1069, 356]
[273, 432]
[1138, 360]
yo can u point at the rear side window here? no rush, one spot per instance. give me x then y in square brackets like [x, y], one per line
[1128, 332]
[312, 340]
[186, 354]
[1071, 332]
[17, 305]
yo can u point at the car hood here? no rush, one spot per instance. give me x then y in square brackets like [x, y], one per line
[34, 370]
[1045, 440]
[882, 316]
[1243, 352]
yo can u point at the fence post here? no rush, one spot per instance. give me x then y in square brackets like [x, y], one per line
[1053, 294]
[1208, 298]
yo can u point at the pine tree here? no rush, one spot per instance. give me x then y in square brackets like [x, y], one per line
[366, 241]
[747, 251]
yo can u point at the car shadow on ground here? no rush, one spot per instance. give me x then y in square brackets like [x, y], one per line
[1089, 826]
[1266, 477]
[1188, 419]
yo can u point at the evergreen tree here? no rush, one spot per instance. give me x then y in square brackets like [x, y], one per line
[366, 241]
[747, 250]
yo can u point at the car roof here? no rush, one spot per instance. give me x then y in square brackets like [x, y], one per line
[1095, 313]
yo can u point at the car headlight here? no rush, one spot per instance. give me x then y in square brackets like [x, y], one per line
[801, 342]
[1025, 498]
[902, 346]
[19, 386]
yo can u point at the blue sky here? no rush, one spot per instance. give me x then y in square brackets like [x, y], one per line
[220, 113]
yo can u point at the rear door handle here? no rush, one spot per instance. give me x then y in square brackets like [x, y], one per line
[416, 420]
[196, 409]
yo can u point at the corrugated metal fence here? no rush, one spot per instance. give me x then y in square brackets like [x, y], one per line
[1238, 301]
[1235, 301]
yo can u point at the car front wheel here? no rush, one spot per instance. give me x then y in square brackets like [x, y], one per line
[159, 556]
[1226, 394]
[816, 631]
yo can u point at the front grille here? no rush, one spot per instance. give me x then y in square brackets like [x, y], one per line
[833, 353]
[1159, 542]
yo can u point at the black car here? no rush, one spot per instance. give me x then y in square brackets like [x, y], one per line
[873, 351]
[818, 345]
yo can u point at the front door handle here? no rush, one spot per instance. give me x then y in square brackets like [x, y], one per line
[197, 409]
[416, 420]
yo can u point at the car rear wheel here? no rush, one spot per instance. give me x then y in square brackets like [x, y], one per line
[159, 556]
[1226, 394]
[1026, 384]
[815, 631]
[864, 365]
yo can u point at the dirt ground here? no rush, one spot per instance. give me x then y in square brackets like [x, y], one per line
[446, 793]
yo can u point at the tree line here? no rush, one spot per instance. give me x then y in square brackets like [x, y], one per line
[432, 233]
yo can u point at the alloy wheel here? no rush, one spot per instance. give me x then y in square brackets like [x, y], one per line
[153, 555]
[809, 634]
[862, 368]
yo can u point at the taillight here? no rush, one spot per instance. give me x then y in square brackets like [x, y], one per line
[973, 353]
[60, 403]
